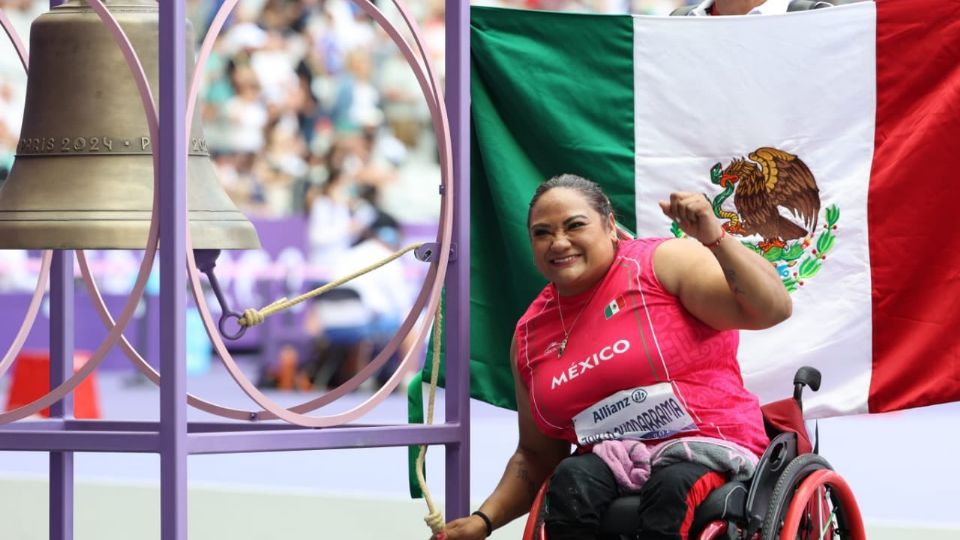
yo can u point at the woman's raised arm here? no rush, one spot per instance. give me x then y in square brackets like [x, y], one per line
[717, 279]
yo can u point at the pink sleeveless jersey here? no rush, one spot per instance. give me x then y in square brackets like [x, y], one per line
[629, 332]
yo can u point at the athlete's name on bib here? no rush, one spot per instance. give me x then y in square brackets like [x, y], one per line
[652, 420]
[644, 413]
[650, 423]
[579, 368]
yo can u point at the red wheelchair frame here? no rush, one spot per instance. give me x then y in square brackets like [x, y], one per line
[794, 493]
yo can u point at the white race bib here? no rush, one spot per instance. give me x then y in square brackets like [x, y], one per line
[644, 413]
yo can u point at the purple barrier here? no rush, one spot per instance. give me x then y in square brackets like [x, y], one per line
[281, 233]
[89, 330]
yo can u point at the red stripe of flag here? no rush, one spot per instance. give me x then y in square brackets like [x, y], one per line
[913, 204]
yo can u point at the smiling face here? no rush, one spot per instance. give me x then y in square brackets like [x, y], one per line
[573, 245]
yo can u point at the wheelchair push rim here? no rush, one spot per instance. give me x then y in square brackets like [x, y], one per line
[811, 501]
[818, 488]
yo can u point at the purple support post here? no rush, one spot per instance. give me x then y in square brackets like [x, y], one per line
[61, 368]
[458, 280]
[172, 186]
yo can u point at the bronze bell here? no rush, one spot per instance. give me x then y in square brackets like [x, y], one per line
[83, 174]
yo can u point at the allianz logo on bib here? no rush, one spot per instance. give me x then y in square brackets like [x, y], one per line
[582, 367]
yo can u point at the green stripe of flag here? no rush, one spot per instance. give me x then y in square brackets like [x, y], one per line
[550, 93]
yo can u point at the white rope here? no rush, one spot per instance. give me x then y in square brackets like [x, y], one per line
[434, 519]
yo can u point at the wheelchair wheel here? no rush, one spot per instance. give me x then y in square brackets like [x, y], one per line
[811, 501]
[534, 529]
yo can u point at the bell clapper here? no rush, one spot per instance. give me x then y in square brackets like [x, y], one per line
[206, 260]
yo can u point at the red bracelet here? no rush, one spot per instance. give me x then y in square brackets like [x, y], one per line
[723, 233]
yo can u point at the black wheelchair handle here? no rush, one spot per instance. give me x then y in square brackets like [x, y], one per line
[806, 376]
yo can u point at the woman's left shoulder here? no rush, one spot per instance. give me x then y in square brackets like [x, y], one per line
[637, 246]
[681, 247]
[672, 257]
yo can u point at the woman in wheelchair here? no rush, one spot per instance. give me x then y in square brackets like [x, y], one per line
[629, 355]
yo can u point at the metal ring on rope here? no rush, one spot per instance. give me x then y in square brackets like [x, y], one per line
[223, 327]
[116, 331]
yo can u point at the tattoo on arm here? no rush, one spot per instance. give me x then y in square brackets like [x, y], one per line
[524, 476]
[731, 276]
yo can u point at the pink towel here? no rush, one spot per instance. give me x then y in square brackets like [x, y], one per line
[629, 461]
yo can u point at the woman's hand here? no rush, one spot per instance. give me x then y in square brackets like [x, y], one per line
[693, 213]
[468, 528]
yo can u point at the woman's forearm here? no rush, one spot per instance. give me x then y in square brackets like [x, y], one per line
[758, 290]
[518, 486]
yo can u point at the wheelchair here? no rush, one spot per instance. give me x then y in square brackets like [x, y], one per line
[794, 493]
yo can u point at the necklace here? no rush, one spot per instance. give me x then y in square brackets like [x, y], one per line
[566, 333]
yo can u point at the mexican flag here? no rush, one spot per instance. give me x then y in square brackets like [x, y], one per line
[863, 100]
[614, 307]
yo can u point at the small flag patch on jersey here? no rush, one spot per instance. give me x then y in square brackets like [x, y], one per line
[614, 307]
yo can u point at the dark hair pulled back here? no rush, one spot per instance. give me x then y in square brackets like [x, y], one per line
[590, 190]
